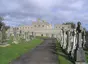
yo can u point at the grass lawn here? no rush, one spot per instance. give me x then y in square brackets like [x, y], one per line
[62, 57]
[13, 51]
[86, 54]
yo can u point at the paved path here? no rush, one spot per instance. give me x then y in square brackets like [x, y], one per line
[43, 54]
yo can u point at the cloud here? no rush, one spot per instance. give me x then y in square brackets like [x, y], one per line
[18, 12]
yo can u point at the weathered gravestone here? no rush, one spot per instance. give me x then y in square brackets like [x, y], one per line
[65, 40]
[3, 35]
[32, 36]
[68, 42]
[15, 41]
[62, 36]
[74, 43]
[83, 37]
[80, 54]
[27, 36]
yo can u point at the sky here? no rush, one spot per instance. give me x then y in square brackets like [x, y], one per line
[24, 12]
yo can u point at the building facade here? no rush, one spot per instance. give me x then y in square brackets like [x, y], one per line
[39, 28]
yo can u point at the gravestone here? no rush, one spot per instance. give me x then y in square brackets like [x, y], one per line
[0, 37]
[15, 36]
[27, 36]
[68, 42]
[80, 54]
[3, 35]
[65, 40]
[74, 43]
[84, 39]
[52, 35]
[62, 37]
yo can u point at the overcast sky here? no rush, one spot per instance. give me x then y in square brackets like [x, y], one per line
[23, 12]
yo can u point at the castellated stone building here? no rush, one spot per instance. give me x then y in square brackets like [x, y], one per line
[39, 28]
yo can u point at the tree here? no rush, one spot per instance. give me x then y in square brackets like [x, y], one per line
[1, 19]
[70, 23]
[3, 24]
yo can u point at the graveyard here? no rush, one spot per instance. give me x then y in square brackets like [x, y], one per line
[64, 44]
[43, 32]
[13, 51]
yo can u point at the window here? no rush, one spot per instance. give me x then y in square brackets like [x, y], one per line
[35, 25]
[41, 34]
[38, 25]
[42, 25]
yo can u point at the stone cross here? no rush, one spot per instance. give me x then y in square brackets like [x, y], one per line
[80, 54]
[79, 35]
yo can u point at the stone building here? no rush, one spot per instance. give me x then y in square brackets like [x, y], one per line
[40, 28]
[60, 26]
[41, 25]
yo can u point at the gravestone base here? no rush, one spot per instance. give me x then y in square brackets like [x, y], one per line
[72, 54]
[80, 63]
[4, 44]
[27, 39]
[15, 42]
[80, 56]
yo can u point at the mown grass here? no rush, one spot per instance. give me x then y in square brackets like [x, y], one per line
[62, 57]
[86, 55]
[7, 54]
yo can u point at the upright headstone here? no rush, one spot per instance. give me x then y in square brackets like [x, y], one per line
[0, 37]
[74, 43]
[80, 54]
[52, 35]
[68, 42]
[62, 38]
[3, 34]
[15, 36]
[84, 39]
[65, 40]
